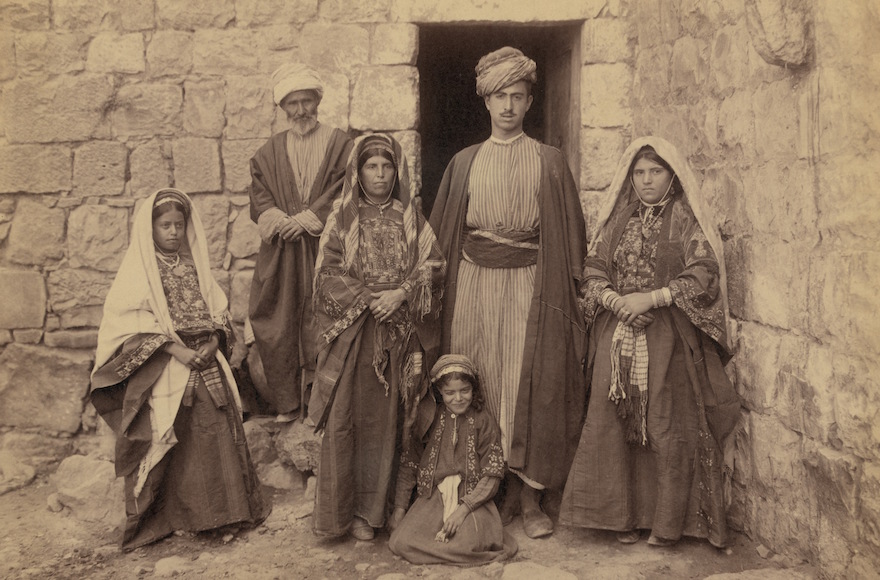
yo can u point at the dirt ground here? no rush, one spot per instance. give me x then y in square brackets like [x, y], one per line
[38, 543]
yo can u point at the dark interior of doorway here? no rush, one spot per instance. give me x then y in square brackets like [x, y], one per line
[452, 116]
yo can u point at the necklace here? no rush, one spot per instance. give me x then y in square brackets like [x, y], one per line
[174, 265]
[381, 206]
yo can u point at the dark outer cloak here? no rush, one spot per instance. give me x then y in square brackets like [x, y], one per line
[550, 404]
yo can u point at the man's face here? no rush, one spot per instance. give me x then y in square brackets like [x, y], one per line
[302, 110]
[507, 108]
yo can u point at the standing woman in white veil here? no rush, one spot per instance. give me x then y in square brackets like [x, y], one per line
[162, 383]
[660, 405]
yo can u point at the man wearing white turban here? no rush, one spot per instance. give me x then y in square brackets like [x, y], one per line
[296, 176]
[510, 224]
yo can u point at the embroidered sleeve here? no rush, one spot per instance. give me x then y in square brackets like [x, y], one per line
[485, 490]
[131, 360]
[595, 278]
[696, 290]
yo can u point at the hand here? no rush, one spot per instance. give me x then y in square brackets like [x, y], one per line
[631, 306]
[208, 350]
[386, 303]
[396, 518]
[186, 356]
[454, 522]
[291, 230]
[643, 320]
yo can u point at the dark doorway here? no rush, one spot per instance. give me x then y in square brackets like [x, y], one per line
[453, 116]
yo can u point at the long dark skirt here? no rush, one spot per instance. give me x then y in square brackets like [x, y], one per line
[673, 486]
[479, 540]
[204, 482]
[359, 448]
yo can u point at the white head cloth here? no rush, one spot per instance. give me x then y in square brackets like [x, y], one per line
[502, 68]
[295, 77]
[692, 192]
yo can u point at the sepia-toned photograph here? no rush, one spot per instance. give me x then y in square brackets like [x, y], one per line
[439, 289]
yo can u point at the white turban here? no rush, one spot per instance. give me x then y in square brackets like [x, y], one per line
[502, 68]
[295, 77]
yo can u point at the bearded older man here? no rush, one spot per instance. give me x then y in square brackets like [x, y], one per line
[510, 224]
[295, 176]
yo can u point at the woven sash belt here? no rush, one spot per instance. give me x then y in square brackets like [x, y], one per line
[501, 249]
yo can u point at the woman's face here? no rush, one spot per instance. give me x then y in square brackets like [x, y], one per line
[651, 180]
[457, 395]
[169, 230]
[377, 177]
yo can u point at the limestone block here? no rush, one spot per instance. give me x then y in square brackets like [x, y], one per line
[774, 274]
[605, 90]
[203, 107]
[249, 13]
[5, 337]
[776, 456]
[195, 14]
[335, 47]
[65, 108]
[600, 151]
[49, 52]
[41, 452]
[848, 213]
[27, 335]
[51, 380]
[870, 498]
[724, 191]
[223, 280]
[276, 475]
[385, 98]
[24, 299]
[736, 125]
[606, 40]
[508, 11]
[81, 14]
[790, 213]
[228, 52]
[150, 168]
[69, 288]
[239, 295]
[396, 43]
[115, 53]
[690, 67]
[780, 31]
[236, 162]
[97, 237]
[14, 472]
[591, 202]
[170, 53]
[651, 83]
[341, 11]
[776, 135]
[7, 57]
[25, 14]
[89, 487]
[244, 240]
[858, 405]
[657, 22]
[196, 164]
[411, 143]
[213, 210]
[835, 477]
[843, 301]
[249, 107]
[258, 433]
[71, 339]
[35, 168]
[81, 317]
[99, 168]
[37, 233]
[334, 107]
[730, 59]
[298, 445]
[135, 14]
[146, 110]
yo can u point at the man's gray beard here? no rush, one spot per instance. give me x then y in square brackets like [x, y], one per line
[303, 125]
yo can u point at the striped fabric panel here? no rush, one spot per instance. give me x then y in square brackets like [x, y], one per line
[306, 155]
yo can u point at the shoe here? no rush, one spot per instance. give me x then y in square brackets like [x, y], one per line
[361, 530]
[630, 537]
[537, 524]
[510, 507]
[659, 542]
[287, 417]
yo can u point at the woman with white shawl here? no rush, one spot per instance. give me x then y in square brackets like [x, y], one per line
[660, 406]
[163, 384]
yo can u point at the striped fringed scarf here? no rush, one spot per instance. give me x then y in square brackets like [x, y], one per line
[629, 380]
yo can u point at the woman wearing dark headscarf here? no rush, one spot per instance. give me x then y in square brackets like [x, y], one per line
[377, 277]
[660, 406]
[161, 381]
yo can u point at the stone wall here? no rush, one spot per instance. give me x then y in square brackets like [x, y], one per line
[773, 104]
[105, 101]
